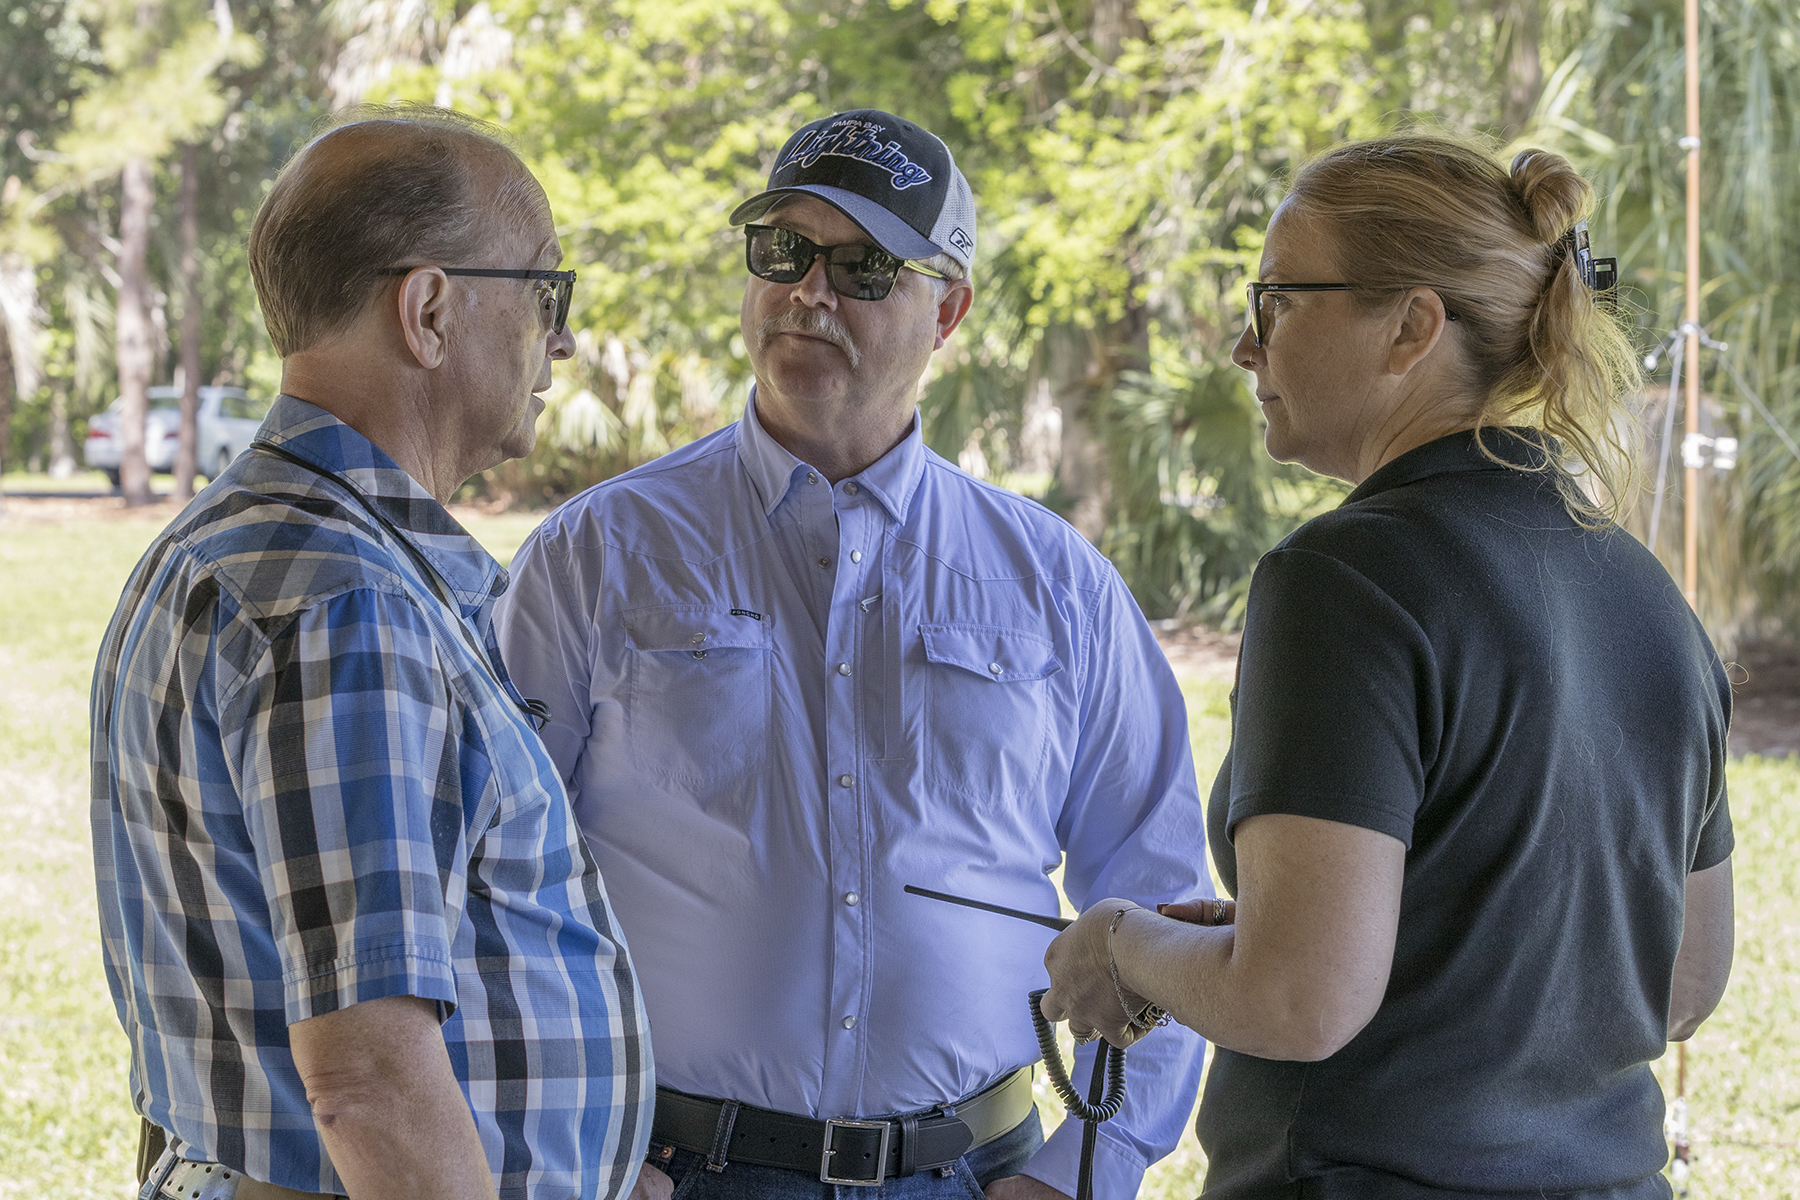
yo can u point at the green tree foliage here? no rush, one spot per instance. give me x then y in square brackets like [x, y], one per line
[1128, 170]
[1125, 159]
[1126, 155]
[87, 87]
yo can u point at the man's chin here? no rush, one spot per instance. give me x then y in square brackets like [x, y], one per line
[812, 378]
[523, 439]
[520, 444]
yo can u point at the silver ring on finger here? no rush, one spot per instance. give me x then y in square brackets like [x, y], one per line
[1083, 1037]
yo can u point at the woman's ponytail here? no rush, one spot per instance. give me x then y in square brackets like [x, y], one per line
[1541, 350]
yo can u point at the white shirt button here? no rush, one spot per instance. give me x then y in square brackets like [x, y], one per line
[812, 477]
[994, 667]
[849, 1022]
[851, 488]
[852, 899]
[856, 556]
[846, 780]
[843, 668]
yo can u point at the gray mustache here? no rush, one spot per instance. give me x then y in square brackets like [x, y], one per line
[809, 321]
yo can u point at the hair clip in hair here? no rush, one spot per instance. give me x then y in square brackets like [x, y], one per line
[1600, 274]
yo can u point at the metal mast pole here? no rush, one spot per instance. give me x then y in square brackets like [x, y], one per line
[1691, 486]
[1690, 565]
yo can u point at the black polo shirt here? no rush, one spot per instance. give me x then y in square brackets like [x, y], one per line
[1532, 708]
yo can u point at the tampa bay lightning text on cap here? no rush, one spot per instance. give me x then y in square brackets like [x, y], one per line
[858, 139]
[897, 181]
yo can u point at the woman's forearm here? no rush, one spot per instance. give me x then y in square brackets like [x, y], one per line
[1299, 973]
[1306, 963]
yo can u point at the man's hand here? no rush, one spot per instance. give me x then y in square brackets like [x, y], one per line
[652, 1184]
[1022, 1187]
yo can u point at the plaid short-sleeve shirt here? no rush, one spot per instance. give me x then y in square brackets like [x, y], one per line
[314, 786]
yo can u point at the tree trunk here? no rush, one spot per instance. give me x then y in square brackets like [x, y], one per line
[131, 328]
[1107, 29]
[189, 448]
[1073, 374]
[6, 396]
[19, 368]
[62, 446]
[1524, 84]
[1083, 367]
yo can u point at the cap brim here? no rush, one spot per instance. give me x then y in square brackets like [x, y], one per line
[890, 232]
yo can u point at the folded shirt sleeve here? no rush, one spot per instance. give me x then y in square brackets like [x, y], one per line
[360, 778]
[1338, 701]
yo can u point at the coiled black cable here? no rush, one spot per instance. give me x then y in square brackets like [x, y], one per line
[1080, 1109]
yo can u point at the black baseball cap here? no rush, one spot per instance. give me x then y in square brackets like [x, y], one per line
[894, 179]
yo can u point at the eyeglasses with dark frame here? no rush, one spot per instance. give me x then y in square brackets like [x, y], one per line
[1256, 290]
[857, 271]
[558, 294]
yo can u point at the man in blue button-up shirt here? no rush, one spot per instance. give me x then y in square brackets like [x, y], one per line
[804, 662]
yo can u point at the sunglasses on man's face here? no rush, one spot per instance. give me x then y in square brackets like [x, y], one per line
[555, 288]
[855, 271]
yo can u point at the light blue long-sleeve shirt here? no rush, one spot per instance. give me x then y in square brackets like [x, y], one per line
[776, 701]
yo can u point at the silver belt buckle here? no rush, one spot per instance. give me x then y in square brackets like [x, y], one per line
[832, 1125]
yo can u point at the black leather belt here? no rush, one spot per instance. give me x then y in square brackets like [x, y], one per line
[860, 1153]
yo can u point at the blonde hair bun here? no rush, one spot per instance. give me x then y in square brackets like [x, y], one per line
[1418, 210]
[1553, 192]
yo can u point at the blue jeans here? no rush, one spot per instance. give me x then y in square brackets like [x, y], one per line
[1005, 1155]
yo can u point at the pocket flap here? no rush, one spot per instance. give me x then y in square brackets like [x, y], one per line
[1002, 655]
[696, 627]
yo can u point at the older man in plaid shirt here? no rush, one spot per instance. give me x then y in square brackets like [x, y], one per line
[351, 928]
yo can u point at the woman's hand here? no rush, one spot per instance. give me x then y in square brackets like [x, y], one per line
[1082, 989]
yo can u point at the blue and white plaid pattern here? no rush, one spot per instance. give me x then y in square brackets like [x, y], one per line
[309, 791]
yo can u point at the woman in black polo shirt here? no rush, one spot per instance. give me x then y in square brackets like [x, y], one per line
[1476, 787]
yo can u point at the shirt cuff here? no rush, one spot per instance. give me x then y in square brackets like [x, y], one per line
[1118, 1171]
[371, 972]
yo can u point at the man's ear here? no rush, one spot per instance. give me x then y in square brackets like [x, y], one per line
[953, 306]
[424, 308]
[1419, 328]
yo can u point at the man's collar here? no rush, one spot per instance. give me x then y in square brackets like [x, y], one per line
[309, 432]
[893, 479]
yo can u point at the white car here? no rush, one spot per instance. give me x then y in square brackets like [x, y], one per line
[228, 420]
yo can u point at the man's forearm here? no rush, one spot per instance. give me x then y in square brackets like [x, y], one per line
[388, 1107]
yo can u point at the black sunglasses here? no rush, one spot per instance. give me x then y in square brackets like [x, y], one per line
[1256, 291]
[555, 298]
[859, 272]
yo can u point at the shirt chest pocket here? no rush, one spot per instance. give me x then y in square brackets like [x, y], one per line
[986, 710]
[697, 683]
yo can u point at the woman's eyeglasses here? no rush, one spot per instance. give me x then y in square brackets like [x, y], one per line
[859, 272]
[555, 288]
[1259, 319]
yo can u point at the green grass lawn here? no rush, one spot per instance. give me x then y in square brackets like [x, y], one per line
[66, 1128]
[38, 483]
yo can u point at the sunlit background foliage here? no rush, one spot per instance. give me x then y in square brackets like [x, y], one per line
[1126, 155]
